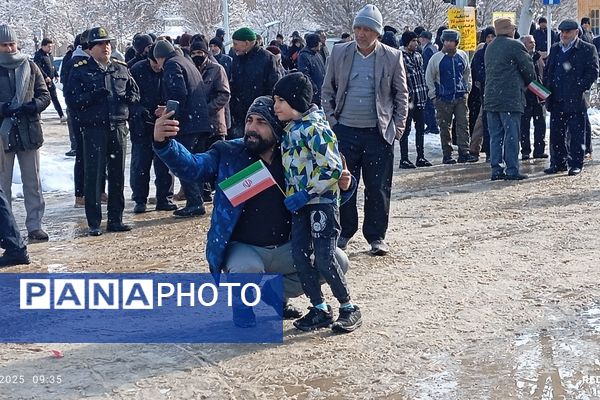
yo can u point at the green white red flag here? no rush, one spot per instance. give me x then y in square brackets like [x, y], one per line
[540, 91]
[247, 183]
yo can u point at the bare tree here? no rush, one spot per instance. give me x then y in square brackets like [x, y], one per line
[290, 14]
[204, 17]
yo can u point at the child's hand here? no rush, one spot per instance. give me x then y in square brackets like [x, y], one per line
[296, 201]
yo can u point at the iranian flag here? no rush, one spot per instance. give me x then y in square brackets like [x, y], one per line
[539, 90]
[247, 183]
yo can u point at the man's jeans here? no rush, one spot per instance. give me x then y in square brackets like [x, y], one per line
[316, 229]
[242, 258]
[505, 135]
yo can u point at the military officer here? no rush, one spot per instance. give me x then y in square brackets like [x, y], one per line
[101, 88]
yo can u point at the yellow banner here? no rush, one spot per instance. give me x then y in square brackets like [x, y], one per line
[505, 14]
[464, 21]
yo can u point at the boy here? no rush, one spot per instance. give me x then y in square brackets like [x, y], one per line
[312, 166]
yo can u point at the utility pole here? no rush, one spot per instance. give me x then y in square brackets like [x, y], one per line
[525, 18]
[226, 19]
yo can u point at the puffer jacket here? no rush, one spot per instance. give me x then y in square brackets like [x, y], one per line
[311, 159]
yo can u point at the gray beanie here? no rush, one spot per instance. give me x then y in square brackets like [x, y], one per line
[163, 48]
[369, 17]
[7, 34]
[263, 106]
[450, 35]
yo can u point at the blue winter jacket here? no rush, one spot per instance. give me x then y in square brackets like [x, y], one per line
[220, 162]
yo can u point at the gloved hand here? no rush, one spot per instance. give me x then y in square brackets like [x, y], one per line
[6, 111]
[29, 108]
[296, 201]
[101, 93]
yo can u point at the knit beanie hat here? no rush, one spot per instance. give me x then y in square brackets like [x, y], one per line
[369, 17]
[390, 39]
[312, 40]
[199, 45]
[244, 34]
[490, 30]
[163, 48]
[263, 106]
[7, 34]
[296, 89]
[407, 37]
[426, 34]
[185, 40]
[389, 28]
[140, 42]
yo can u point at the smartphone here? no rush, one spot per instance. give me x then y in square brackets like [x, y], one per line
[172, 105]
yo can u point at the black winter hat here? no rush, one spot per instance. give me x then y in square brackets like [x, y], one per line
[296, 89]
[312, 40]
[390, 39]
[407, 37]
[140, 42]
[199, 45]
[263, 106]
[490, 30]
[389, 28]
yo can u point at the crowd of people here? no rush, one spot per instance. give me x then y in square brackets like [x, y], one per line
[301, 108]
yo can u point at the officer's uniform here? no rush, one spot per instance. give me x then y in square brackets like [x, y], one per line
[102, 96]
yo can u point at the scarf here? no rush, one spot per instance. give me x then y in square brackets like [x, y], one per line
[19, 73]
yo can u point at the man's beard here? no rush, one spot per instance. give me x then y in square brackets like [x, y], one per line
[257, 148]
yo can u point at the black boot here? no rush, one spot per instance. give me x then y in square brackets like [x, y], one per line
[14, 257]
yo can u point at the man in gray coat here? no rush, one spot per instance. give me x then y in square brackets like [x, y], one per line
[508, 70]
[365, 98]
[23, 96]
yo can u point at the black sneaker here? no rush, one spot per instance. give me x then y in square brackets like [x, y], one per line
[406, 164]
[467, 158]
[117, 227]
[343, 242]
[517, 177]
[422, 162]
[449, 160]
[165, 205]
[498, 177]
[315, 319]
[555, 169]
[190, 211]
[348, 321]
[139, 208]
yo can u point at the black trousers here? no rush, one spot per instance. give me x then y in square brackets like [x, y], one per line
[55, 102]
[195, 143]
[142, 158]
[534, 110]
[567, 139]
[10, 237]
[104, 150]
[367, 153]
[418, 116]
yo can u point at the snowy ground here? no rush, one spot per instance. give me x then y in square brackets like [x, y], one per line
[490, 292]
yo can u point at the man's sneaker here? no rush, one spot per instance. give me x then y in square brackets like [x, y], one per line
[315, 319]
[117, 227]
[467, 158]
[167, 205]
[406, 164]
[525, 157]
[191, 211]
[38, 235]
[379, 248]
[15, 257]
[517, 177]
[348, 321]
[71, 153]
[139, 208]
[343, 242]
[543, 155]
[587, 157]
[574, 171]
[498, 177]
[449, 160]
[554, 169]
[79, 202]
[422, 162]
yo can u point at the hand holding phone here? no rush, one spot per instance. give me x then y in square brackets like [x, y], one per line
[172, 105]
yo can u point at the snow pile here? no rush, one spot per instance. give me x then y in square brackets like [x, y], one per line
[56, 174]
